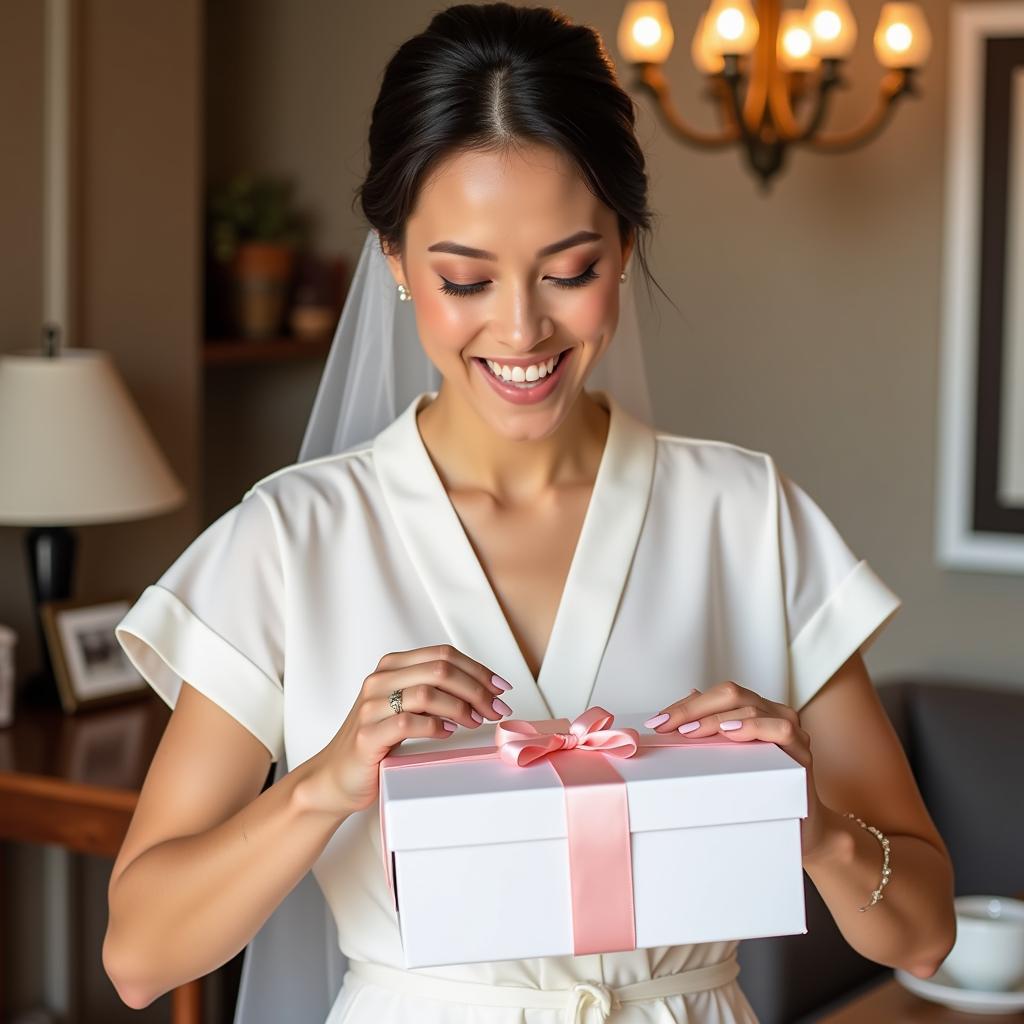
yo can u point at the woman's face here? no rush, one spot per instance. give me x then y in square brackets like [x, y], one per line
[492, 320]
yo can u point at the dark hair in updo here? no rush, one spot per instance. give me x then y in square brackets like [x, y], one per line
[494, 76]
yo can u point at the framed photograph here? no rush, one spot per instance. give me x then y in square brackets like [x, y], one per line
[980, 497]
[90, 667]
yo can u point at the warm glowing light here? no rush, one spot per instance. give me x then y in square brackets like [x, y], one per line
[899, 37]
[797, 42]
[793, 49]
[704, 58]
[902, 37]
[833, 28]
[732, 27]
[645, 32]
[730, 24]
[827, 24]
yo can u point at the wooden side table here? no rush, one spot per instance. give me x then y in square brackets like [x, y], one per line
[890, 1002]
[74, 781]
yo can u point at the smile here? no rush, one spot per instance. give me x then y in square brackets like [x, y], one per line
[523, 374]
[525, 385]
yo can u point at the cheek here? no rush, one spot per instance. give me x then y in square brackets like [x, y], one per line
[594, 312]
[444, 323]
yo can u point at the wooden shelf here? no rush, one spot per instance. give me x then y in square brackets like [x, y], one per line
[244, 352]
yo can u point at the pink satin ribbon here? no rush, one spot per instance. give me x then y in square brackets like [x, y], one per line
[597, 811]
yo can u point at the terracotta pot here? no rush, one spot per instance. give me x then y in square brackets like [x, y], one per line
[261, 274]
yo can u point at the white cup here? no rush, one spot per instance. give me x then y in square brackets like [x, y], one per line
[8, 639]
[989, 949]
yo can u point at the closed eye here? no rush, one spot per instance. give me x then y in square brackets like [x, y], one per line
[588, 275]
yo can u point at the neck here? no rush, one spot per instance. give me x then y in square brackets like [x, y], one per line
[469, 455]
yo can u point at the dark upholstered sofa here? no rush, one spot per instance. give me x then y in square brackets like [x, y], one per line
[965, 744]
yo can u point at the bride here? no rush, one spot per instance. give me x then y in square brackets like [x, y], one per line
[484, 521]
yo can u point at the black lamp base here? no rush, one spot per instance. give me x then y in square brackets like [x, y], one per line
[51, 559]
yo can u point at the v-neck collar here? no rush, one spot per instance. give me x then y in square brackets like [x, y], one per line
[458, 587]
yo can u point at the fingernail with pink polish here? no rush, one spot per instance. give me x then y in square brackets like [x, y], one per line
[475, 715]
[501, 684]
[733, 723]
[688, 727]
[501, 707]
[450, 726]
[654, 722]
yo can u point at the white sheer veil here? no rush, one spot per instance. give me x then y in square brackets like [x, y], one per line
[292, 969]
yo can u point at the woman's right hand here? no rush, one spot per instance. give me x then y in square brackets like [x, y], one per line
[441, 689]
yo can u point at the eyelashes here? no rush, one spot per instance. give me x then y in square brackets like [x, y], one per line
[586, 277]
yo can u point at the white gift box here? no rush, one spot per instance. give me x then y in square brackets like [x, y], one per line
[477, 850]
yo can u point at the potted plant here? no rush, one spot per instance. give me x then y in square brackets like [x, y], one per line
[254, 231]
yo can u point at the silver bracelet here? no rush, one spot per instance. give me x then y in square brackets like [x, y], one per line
[886, 870]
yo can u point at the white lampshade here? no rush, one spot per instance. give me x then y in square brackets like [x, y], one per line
[645, 32]
[833, 28]
[902, 37]
[731, 27]
[74, 448]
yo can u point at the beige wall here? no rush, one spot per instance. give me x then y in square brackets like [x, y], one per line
[810, 316]
[137, 191]
[137, 238]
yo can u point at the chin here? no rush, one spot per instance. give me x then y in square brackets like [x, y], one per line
[525, 423]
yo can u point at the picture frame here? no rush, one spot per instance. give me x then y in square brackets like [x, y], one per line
[89, 665]
[980, 482]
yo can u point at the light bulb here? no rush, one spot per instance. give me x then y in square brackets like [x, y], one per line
[902, 37]
[645, 32]
[794, 42]
[731, 27]
[704, 58]
[832, 26]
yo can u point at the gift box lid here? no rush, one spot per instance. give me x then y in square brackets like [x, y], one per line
[483, 799]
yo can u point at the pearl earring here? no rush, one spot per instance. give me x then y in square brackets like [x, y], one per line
[622, 276]
[404, 294]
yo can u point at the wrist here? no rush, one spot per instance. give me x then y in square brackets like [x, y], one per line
[314, 791]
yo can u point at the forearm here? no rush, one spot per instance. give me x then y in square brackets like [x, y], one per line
[186, 906]
[913, 926]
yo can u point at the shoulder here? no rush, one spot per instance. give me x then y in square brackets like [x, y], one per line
[719, 467]
[325, 480]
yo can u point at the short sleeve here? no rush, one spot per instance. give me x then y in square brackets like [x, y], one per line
[835, 602]
[215, 619]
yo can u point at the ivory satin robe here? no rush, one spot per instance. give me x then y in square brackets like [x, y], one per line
[698, 561]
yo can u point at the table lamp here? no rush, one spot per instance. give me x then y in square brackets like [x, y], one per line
[74, 450]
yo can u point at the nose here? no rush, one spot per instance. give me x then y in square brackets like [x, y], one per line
[522, 322]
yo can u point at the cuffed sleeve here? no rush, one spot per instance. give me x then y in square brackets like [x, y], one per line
[835, 602]
[215, 619]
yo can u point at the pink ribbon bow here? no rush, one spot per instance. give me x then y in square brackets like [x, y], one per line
[520, 742]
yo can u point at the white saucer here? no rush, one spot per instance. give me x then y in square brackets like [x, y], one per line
[940, 988]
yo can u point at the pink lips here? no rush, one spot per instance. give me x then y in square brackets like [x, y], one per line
[526, 396]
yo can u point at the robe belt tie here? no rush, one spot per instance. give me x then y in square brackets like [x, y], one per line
[585, 1002]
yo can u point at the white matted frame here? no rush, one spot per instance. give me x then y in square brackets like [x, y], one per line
[990, 539]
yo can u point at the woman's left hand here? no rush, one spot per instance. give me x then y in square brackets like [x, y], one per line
[730, 710]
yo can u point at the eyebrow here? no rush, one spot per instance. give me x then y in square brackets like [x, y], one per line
[549, 250]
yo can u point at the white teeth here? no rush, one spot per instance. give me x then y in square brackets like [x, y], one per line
[521, 374]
